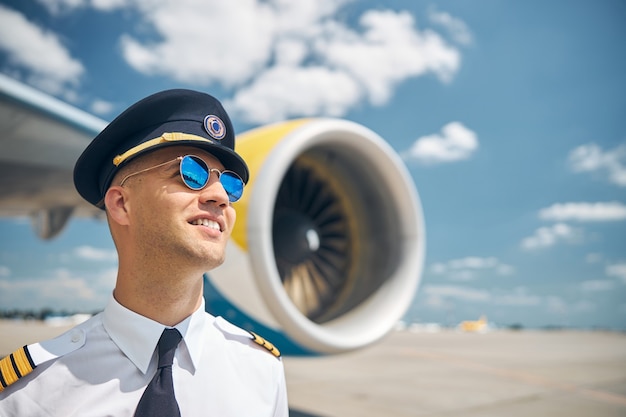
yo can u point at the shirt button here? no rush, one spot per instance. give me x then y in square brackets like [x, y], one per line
[75, 337]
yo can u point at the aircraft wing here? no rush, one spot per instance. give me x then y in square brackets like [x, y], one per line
[328, 248]
[41, 138]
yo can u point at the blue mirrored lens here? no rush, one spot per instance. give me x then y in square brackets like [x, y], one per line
[194, 171]
[232, 184]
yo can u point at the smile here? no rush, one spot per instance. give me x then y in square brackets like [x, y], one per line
[206, 222]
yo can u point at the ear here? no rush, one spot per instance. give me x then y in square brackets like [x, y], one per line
[117, 205]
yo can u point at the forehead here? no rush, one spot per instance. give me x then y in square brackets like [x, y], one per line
[171, 152]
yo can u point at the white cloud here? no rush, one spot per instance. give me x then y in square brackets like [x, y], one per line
[473, 262]
[65, 284]
[56, 7]
[106, 278]
[593, 258]
[389, 50]
[557, 305]
[596, 285]
[285, 58]
[225, 42]
[458, 292]
[583, 306]
[102, 107]
[437, 302]
[584, 212]
[61, 289]
[33, 293]
[107, 5]
[617, 270]
[4, 271]
[438, 295]
[518, 297]
[95, 254]
[549, 236]
[30, 47]
[456, 142]
[466, 269]
[447, 297]
[456, 27]
[303, 91]
[280, 59]
[591, 158]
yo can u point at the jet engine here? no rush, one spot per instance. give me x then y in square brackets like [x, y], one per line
[329, 242]
[328, 248]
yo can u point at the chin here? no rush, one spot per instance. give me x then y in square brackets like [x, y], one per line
[213, 260]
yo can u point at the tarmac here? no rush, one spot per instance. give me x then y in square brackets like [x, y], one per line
[446, 374]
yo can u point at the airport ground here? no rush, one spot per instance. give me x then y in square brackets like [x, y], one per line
[446, 374]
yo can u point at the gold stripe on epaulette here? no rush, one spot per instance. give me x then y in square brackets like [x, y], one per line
[15, 366]
[267, 345]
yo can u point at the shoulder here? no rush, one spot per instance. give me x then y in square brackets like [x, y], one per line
[232, 332]
[15, 366]
[26, 359]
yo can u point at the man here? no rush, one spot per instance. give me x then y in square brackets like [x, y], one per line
[166, 173]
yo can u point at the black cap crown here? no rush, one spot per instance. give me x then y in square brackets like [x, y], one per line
[168, 118]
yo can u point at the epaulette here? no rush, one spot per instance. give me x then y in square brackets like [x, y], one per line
[15, 366]
[24, 360]
[245, 335]
[267, 345]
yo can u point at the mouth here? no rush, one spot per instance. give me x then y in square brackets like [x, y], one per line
[211, 224]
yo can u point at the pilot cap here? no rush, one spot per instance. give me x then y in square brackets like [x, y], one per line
[169, 118]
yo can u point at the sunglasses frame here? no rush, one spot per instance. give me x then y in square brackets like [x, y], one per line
[199, 160]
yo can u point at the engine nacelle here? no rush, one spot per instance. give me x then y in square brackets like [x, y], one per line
[329, 243]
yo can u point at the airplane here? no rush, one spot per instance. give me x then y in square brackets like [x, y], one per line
[328, 249]
[475, 326]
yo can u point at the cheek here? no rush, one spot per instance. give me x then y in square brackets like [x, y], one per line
[152, 205]
[231, 217]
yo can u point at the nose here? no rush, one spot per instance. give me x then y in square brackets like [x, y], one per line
[214, 191]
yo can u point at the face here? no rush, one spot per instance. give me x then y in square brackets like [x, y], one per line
[168, 221]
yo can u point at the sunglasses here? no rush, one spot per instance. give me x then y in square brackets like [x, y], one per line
[195, 174]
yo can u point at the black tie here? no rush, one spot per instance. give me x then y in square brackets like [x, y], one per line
[158, 399]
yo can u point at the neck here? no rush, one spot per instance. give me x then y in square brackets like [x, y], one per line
[167, 297]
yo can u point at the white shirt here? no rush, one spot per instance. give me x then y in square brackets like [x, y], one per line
[102, 367]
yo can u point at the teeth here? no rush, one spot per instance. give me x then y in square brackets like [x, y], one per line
[206, 222]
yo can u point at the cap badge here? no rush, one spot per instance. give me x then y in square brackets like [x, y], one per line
[214, 127]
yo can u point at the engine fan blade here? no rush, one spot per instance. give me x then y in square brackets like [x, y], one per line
[311, 241]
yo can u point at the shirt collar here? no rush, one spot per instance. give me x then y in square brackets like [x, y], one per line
[137, 336]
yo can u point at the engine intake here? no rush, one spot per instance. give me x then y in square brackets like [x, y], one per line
[334, 231]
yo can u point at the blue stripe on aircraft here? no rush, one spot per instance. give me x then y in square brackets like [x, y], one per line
[218, 305]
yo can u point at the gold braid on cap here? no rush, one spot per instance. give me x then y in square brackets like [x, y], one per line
[165, 137]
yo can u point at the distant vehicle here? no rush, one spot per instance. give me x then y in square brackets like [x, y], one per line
[477, 326]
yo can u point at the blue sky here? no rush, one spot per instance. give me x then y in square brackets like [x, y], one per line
[509, 116]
